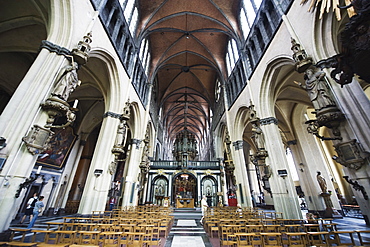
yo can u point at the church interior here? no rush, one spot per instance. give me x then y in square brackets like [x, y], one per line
[246, 103]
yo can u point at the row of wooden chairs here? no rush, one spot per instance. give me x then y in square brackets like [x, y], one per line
[104, 228]
[145, 236]
[240, 227]
[212, 227]
[233, 235]
[296, 239]
[237, 212]
[137, 212]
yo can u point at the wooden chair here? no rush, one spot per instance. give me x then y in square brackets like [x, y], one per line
[297, 239]
[244, 239]
[151, 237]
[96, 214]
[88, 237]
[318, 238]
[312, 227]
[294, 228]
[339, 239]
[257, 240]
[47, 236]
[271, 238]
[62, 239]
[127, 227]
[68, 226]
[361, 238]
[164, 226]
[214, 229]
[105, 227]
[58, 225]
[328, 227]
[110, 239]
[253, 228]
[80, 245]
[66, 237]
[269, 221]
[227, 236]
[84, 227]
[135, 239]
[21, 241]
[271, 228]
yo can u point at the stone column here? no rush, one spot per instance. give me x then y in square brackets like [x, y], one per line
[241, 175]
[96, 189]
[282, 187]
[131, 174]
[22, 112]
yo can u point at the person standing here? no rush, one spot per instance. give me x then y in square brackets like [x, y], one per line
[204, 206]
[36, 211]
[30, 206]
[112, 202]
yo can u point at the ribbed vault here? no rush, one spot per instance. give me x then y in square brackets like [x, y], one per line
[188, 43]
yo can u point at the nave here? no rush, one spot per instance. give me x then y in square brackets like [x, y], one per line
[185, 229]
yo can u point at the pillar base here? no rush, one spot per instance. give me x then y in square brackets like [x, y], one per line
[332, 213]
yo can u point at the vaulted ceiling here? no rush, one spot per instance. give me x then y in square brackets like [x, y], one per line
[188, 42]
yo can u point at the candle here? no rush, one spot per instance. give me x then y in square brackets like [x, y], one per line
[39, 170]
[75, 103]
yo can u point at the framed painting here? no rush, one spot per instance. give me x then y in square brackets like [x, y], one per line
[58, 149]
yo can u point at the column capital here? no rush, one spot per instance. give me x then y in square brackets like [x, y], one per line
[238, 145]
[136, 142]
[112, 114]
[55, 48]
[268, 120]
[292, 142]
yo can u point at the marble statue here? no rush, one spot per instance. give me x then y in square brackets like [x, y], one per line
[258, 137]
[322, 182]
[67, 83]
[317, 89]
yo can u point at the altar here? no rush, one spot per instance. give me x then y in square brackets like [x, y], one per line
[185, 203]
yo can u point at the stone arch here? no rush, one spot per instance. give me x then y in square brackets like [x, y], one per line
[61, 19]
[100, 82]
[157, 193]
[21, 33]
[208, 188]
[326, 35]
[135, 123]
[99, 85]
[151, 134]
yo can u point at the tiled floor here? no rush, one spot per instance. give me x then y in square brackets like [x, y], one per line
[185, 241]
[187, 231]
[186, 223]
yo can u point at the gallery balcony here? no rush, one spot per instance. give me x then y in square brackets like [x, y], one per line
[191, 165]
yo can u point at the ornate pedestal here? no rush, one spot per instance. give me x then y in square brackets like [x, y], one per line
[330, 212]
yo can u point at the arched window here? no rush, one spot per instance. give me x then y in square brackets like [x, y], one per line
[144, 55]
[232, 56]
[292, 168]
[133, 22]
[147, 63]
[245, 25]
[248, 14]
[128, 10]
[228, 64]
